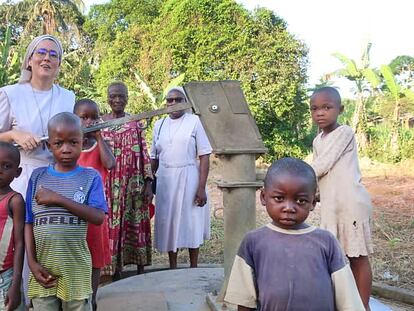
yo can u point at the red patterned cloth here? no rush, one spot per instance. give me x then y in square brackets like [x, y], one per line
[97, 236]
[129, 218]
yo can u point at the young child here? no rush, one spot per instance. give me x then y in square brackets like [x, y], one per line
[11, 230]
[289, 265]
[345, 204]
[60, 200]
[96, 154]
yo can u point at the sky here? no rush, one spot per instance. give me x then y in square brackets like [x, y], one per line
[329, 26]
[333, 26]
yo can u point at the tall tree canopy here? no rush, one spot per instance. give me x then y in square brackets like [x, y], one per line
[27, 19]
[208, 40]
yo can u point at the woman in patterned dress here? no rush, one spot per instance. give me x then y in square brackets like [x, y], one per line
[128, 189]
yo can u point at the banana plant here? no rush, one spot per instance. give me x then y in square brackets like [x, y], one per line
[397, 92]
[157, 100]
[9, 61]
[365, 80]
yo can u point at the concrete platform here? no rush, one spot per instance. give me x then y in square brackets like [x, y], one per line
[172, 290]
[374, 305]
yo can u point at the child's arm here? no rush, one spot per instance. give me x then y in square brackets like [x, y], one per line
[16, 206]
[93, 215]
[241, 289]
[333, 150]
[345, 290]
[105, 153]
[43, 276]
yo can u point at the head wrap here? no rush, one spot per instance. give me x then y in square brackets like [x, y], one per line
[181, 90]
[25, 71]
[178, 89]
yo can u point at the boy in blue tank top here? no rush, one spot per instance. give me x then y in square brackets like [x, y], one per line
[61, 199]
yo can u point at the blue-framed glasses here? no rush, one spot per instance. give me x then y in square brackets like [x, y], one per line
[42, 52]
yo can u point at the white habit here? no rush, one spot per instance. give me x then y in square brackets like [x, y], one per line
[179, 222]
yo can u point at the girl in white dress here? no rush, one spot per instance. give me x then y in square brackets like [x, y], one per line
[345, 204]
[182, 214]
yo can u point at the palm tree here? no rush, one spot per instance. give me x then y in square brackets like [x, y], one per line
[61, 17]
[366, 81]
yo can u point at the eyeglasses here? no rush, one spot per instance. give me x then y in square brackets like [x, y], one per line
[42, 52]
[176, 99]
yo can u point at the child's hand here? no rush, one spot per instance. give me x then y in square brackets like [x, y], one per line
[45, 196]
[13, 299]
[201, 197]
[43, 276]
[96, 134]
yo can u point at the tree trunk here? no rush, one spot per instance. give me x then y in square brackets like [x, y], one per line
[394, 130]
[359, 124]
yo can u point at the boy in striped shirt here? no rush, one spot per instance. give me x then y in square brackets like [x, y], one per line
[61, 199]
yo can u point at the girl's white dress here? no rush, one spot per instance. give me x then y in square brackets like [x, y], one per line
[179, 222]
[345, 204]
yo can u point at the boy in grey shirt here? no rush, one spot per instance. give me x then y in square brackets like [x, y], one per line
[289, 265]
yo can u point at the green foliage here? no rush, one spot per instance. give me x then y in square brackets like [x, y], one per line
[9, 61]
[379, 143]
[380, 148]
[346, 116]
[403, 67]
[406, 143]
[209, 40]
[350, 70]
[29, 18]
[390, 82]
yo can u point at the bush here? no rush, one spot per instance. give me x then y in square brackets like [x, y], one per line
[379, 144]
[406, 143]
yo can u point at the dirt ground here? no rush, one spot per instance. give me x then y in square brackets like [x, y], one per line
[392, 191]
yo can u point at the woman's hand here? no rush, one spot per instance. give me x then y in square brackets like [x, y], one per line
[148, 195]
[201, 197]
[26, 140]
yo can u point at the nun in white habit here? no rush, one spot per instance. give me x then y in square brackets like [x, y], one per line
[180, 157]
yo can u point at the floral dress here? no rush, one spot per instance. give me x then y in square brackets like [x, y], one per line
[129, 218]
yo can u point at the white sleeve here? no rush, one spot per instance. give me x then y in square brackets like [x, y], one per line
[202, 142]
[333, 150]
[346, 292]
[154, 138]
[6, 119]
[240, 289]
